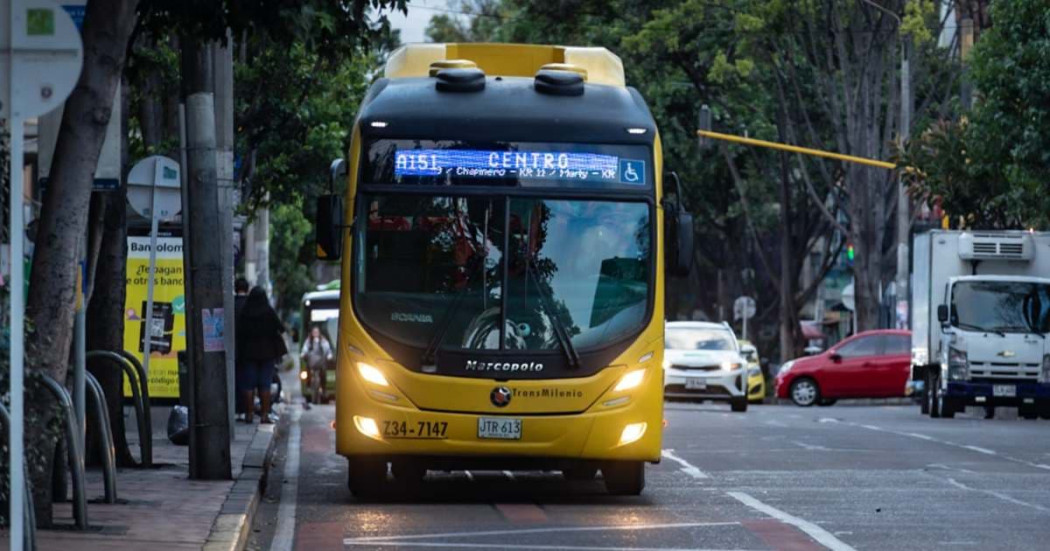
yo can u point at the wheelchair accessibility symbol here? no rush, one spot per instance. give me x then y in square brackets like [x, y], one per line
[632, 172]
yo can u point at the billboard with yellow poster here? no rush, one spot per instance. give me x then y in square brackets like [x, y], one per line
[168, 334]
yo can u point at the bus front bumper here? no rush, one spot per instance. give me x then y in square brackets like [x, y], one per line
[367, 426]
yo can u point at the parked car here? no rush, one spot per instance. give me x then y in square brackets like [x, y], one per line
[872, 364]
[756, 380]
[703, 361]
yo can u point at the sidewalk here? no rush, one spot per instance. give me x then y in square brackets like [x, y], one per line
[160, 508]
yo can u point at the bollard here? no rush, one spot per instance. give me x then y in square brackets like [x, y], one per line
[147, 451]
[109, 454]
[76, 450]
[141, 407]
[29, 535]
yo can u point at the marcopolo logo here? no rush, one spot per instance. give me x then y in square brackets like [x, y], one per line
[474, 365]
[411, 317]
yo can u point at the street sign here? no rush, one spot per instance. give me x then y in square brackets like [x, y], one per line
[849, 297]
[743, 307]
[157, 173]
[40, 56]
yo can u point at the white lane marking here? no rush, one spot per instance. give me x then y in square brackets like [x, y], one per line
[687, 468]
[470, 476]
[977, 449]
[509, 475]
[810, 447]
[284, 534]
[819, 534]
[550, 530]
[999, 495]
[533, 547]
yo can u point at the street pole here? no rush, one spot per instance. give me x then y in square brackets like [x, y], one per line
[17, 340]
[223, 79]
[209, 355]
[903, 204]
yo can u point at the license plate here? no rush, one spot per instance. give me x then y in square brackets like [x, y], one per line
[427, 430]
[1006, 391]
[695, 384]
[499, 428]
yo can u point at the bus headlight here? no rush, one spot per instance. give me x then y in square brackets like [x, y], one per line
[1044, 375]
[958, 365]
[371, 374]
[367, 426]
[630, 380]
[631, 433]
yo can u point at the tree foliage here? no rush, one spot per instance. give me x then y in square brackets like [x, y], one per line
[991, 167]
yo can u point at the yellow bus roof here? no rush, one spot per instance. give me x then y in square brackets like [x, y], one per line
[521, 60]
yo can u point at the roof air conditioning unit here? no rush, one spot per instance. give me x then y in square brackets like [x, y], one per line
[996, 246]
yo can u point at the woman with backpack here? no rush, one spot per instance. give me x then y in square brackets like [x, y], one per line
[260, 345]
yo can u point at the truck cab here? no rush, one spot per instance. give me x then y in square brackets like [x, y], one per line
[981, 322]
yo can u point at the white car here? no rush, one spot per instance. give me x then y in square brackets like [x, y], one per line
[702, 361]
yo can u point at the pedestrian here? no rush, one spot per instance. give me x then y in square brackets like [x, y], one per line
[260, 344]
[315, 354]
[240, 294]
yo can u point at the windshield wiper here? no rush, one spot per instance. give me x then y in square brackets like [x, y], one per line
[973, 327]
[560, 331]
[428, 357]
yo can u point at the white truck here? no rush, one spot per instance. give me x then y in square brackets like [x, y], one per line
[980, 316]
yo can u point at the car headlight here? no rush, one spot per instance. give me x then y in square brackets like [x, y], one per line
[731, 366]
[958, 365]
[786, 367]
[371, 374]
[751, 371]
[1044, 375]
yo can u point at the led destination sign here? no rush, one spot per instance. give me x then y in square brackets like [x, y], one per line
[519, 165]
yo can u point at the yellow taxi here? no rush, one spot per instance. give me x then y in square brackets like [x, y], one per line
[756, 381]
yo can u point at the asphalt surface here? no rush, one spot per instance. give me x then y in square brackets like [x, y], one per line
[777, 477]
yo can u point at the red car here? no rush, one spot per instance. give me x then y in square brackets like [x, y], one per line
[872, 364]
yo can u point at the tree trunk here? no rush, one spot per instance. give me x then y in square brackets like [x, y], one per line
[63, 217]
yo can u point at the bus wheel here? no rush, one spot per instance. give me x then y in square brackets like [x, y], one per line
[367, 476]
[624, 478]
[580, 473]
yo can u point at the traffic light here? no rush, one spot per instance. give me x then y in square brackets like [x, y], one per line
[850, 254]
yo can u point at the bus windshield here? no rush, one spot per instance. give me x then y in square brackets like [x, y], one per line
[501, 273]
[1001, 306]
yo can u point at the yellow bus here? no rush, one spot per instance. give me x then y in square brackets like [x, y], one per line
[504, 236]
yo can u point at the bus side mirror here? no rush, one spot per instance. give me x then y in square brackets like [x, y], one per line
[683, 244]
[329, 227]
[942, 313]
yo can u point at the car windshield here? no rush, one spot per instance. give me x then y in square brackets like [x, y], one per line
[1001, 306]
[435, 267]
[698, 339]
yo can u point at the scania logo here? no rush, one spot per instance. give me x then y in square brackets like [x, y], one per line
[1007, 353]
[500, 396]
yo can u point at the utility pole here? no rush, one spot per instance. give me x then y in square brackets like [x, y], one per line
[223, 80]
[965, 45]
[210, 456]
[903, 204]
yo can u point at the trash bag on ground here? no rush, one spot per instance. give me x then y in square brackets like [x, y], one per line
[179, 426]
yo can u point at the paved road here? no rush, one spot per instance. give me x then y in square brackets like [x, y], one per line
[776, 477]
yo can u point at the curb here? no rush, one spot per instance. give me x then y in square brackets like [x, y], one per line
[230, 530]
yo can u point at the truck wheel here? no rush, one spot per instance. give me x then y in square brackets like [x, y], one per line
[804, 392]
[989, 412]
[1028, 413]
[624, 478]
[367, 477]
[932, 396]
[738, 405]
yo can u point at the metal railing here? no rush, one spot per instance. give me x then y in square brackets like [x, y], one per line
[29, 535]
[140, 397]
[75, 447]
[109, 454]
